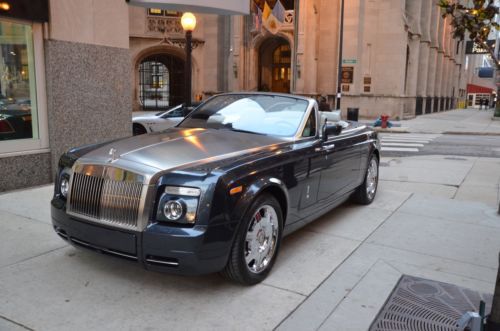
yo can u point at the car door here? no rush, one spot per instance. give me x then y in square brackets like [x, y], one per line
[306, 170]
[341, 165]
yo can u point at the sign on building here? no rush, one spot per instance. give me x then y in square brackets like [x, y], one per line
[474, 48]
[220, 7]
[347, 75]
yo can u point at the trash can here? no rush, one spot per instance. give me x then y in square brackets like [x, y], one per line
[352, 114]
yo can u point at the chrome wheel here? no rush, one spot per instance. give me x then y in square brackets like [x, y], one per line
[372, 179]
[261, 239]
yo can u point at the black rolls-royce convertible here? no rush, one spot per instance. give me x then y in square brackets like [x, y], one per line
[219, 191]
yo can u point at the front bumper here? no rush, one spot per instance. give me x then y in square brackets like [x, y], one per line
[187, 251]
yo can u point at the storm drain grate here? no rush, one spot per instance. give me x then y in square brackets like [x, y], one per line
[418, 304]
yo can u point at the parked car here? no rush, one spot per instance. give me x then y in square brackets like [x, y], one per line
[15, 123]
[219, 191]
[147, 122]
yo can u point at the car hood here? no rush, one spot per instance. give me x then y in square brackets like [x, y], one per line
[144, 115]
[178, 148]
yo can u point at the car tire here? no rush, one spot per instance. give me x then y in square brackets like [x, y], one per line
[365, 193]
[138, 129]
[257, 242]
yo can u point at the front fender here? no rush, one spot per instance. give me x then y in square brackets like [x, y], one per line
[258, 186]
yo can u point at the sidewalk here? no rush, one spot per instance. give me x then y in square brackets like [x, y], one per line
[458, 121]
[434, 217]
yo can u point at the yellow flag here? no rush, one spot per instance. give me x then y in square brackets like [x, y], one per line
[266, 12]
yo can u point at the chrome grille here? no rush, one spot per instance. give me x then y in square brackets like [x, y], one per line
[103, 200]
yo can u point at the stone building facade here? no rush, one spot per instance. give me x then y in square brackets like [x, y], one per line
[73, 74]
[399, 57]
[73, 56]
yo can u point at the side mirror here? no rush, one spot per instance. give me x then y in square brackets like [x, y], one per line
[331, 130]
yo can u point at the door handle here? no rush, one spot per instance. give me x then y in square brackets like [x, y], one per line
[325, 148]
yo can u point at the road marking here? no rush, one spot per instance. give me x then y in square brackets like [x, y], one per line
[403, 135]
[399, 149]
[409, 143]
[403, 144]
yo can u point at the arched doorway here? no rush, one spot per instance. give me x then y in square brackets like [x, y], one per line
[161, 81]
[275, 57]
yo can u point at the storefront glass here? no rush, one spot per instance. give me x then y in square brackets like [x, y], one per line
[18, 111]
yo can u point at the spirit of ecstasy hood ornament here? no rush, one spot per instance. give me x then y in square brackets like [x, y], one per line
[112, 154]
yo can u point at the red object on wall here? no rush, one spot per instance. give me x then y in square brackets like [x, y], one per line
[471, 88]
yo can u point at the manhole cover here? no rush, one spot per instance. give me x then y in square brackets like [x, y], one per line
[420, 304]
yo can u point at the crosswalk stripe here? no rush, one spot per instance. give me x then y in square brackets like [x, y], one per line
[410, 143]
[398, 149]
[411, 137]
[406, 141]
[403, 144]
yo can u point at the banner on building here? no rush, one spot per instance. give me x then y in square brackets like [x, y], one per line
[220, 7]
[475, 48]
[271, 18]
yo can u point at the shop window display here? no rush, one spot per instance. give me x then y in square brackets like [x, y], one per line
[18, 115]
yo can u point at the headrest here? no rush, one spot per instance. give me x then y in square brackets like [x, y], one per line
[330, 116]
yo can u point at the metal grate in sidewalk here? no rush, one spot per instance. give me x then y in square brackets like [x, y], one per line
[418, 304]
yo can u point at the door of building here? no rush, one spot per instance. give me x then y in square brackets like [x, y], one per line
[282, 60]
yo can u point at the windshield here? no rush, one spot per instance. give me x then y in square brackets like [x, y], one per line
[260, 114]
[174, 112]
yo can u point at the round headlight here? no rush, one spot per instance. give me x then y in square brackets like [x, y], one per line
[64, 186]
[173, 210]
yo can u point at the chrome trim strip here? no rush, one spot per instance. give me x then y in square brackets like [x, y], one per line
[162, 262]
[63, 235]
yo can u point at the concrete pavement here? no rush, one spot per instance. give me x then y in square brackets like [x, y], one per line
[434, 217]
[458, 121]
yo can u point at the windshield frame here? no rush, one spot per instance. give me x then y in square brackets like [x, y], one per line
[300, 128]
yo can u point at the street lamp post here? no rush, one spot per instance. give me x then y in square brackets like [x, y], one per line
[188, 22]
[341, 42]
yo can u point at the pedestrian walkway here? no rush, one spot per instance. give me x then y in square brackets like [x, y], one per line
[458, 121]
[410, 143]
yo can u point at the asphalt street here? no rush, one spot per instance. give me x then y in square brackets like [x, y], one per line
[409, 144]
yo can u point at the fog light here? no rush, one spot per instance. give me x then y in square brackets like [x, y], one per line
[64, 186]
[173, 210]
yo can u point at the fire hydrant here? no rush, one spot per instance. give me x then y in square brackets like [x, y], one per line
[385, 120]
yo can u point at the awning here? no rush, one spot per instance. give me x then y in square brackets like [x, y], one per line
[220, 7]
[471, 88]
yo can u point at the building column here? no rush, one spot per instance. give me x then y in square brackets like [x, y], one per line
[86, 64]
[424, 58]
[439, 69]
[412, 74]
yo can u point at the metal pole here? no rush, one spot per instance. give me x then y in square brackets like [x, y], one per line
[339, 82]
[189, 69]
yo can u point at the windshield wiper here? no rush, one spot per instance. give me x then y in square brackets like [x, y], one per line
[245, 131]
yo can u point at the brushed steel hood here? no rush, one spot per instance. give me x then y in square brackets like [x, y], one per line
[177, 148]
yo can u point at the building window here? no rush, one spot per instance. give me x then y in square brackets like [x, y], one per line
[163, 12]
[18, 96]
[154, 85]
